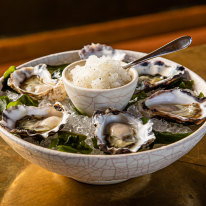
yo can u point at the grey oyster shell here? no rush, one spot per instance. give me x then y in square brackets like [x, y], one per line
[37, 83]
[35, 121]
[176, 104]
[155, 73]
[141, 138]
[100, 50]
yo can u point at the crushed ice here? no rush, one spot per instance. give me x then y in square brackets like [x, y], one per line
[162, 125]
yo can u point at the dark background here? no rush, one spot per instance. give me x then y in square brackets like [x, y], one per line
[18, 17]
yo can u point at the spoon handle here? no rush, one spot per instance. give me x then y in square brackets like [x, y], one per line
[173, 46]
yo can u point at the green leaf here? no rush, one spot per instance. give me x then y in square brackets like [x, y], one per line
[94, 142]
[12, 104]
[201, 95]
[77, 111]
[186, 84]
[54, 143]
[136, 97]
[64, 148]
[56, 71]
[71, 142]
[181, 83]
[144, 120]
[139, 96]
[83, 148]
[6, 76]
[4, 100]
[174, 84]
[24, 100]
[8, 72]
[168, 138]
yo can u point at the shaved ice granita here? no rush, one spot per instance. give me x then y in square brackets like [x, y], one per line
[100, 73]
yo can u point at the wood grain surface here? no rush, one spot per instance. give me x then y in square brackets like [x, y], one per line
[142, 33]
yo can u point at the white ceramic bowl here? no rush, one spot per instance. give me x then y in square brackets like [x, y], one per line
[103, 169]
[89, 100]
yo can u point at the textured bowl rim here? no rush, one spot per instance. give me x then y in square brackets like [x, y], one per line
[102, 156]
[65, 80]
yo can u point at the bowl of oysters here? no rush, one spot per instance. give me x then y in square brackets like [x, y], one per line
[79, 114]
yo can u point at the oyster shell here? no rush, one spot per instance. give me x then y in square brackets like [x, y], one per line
[100, 50]
[37, 83]
[176, 104]
[34, 121]
[156, 73]
[121, 132]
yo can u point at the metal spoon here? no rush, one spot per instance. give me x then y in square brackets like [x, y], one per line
[173, 46]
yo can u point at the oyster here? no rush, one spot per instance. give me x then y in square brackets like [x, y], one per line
[34, 121]
[176, 104]
[156, 73]
[121, 132]
[37, 83]
[100, 50]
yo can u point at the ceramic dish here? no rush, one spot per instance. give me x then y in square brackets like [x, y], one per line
[87, 100]
[103, 169]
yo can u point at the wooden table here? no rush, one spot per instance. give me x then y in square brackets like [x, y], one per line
[182, 183]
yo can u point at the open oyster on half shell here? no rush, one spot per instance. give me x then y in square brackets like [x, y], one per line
[121, 132]
[156, 73]
[176, 104]
[37, 83]
[35, 121]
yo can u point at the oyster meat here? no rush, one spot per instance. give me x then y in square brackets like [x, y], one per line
[100, 50]
[121, 132]
[35, 121]
[156, 73]
[176, 104]
[37, 83]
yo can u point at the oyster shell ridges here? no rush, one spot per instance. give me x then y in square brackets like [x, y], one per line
[166, 73]
[143, 132]
[100, 50]
[168, 103]
[44, 87]
[14, 114]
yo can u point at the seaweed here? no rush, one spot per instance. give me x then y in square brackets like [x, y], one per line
[168, 138]
[4, 101]
[70, 142]
[136, 97]
[6, 76]
[56, 71]
[94, 142]
[201, 95]
[144, 120]
[23, 100]
[181, 83]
